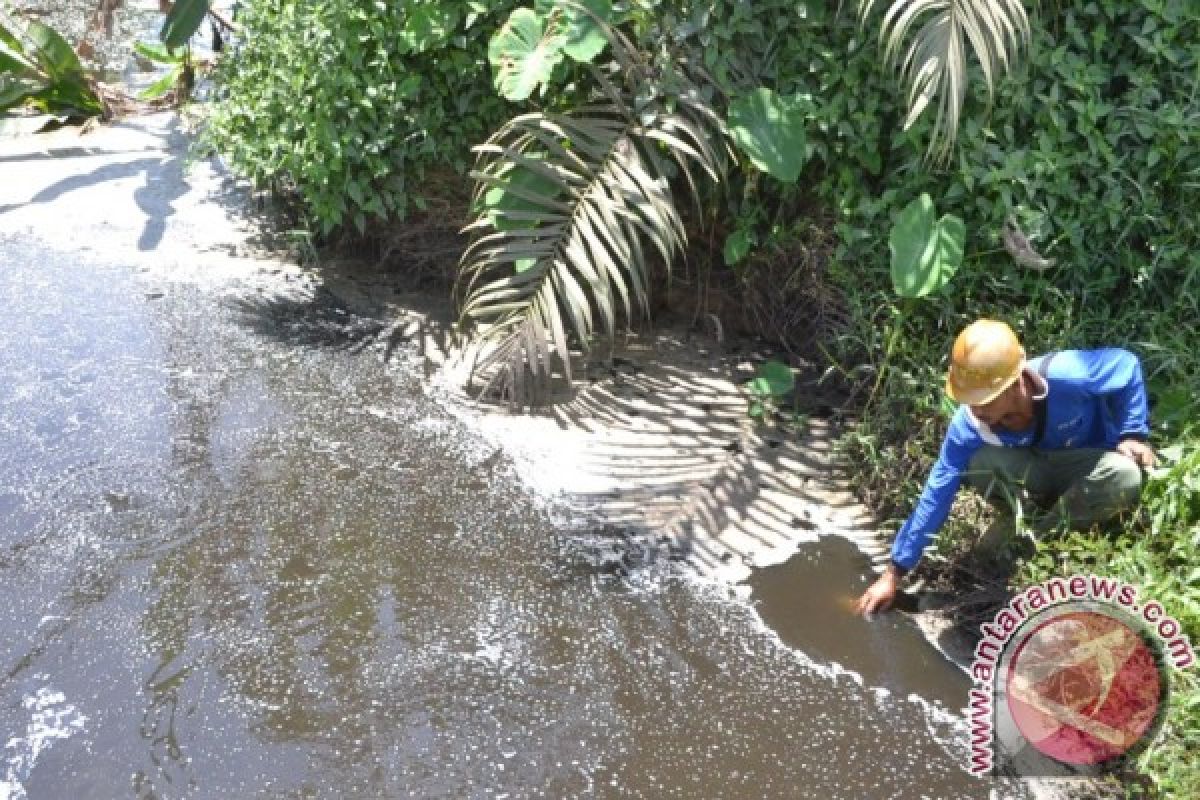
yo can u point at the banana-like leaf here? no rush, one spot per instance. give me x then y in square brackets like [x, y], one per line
[163, 85]
[39, 68]
[934, 61]
[182, 22]
[52, 53]
[12, 52]
[11, 62]
[157, 53]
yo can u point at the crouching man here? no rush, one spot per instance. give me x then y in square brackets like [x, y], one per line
[1066, 430]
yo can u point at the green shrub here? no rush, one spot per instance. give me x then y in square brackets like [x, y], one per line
[347, 105]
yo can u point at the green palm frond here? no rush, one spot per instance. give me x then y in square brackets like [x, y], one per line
[934, 64]
[565, 206]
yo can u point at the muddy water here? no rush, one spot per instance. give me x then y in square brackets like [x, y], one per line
[241, 556]
[809, 600]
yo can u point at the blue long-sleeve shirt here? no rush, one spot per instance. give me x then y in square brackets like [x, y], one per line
[1093, 399]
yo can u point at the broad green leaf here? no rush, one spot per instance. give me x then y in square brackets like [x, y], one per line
[951, 243]
[52, 53]
[583, 38]
[523, 54]
[769, 130]
[429, 25]
[737, 245]
[777, 377]
[925, 252]
[183, 20]
[911, 235]
[497, 201]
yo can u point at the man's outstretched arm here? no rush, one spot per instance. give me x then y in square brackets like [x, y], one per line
[926, 520]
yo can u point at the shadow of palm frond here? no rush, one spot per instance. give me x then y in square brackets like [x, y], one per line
[693, 476]
[353, 308]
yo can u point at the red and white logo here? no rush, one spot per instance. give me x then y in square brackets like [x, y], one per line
[1083, 687]
[1070, 676]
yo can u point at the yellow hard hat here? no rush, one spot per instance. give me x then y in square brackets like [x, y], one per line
[986, 359]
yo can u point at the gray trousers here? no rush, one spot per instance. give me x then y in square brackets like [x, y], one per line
[1079, 487]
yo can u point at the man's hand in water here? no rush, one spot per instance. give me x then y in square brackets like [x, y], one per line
[879, 596]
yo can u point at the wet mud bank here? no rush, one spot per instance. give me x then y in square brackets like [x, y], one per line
[255, 543]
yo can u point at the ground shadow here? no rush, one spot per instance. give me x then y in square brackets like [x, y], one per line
[320, 319]
[163, 177]
[349, 306]
[689, 474]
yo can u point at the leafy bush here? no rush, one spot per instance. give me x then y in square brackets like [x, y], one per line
[349, 104]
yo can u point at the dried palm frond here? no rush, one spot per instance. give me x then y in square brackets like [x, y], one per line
[934, 64]
[1020, 248]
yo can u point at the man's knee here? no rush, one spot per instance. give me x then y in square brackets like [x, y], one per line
[1114, 485]
[1120, 479]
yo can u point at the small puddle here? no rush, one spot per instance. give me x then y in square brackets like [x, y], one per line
[809, 601]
